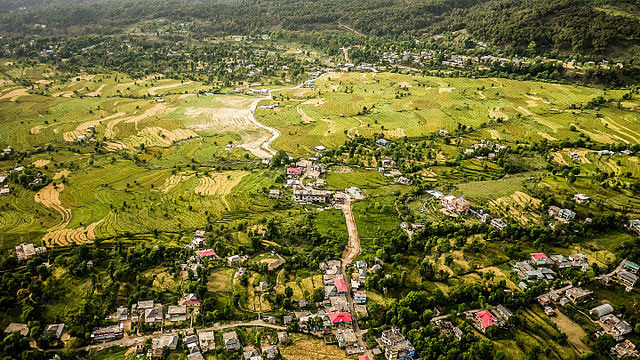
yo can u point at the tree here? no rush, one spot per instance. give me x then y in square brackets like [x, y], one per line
[604, 343]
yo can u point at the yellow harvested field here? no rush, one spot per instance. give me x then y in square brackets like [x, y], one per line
[60, 174]
[154, 90]
[515, 204]
[305, 118]
[49, 196]
[306, 348]
[574, 332]
[175, 180]
[150, 112]
[41, 163]
[14, 94]
[219, 183]
[66, 237]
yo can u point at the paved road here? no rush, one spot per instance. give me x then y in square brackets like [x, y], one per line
[350, 252]
[131, 341]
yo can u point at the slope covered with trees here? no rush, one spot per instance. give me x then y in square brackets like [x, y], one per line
[589, 27]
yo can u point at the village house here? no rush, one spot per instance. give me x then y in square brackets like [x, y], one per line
[142, 306]
[341, 286]
[107, 333]
[579, 260]
[539, 258]
[154, 315]
[231, 341]
[158, 344]
[483, 320]
[627, 278]
[190, 300]
[360, 297]
[311, 196]
[250, 352]
[383, 143]
[270, 351]
[191, 341]
[634, 225]
[5, 191]
[346, 337]
[23, 329]
[631, 267]
[338, 303]
[614, 326]
[387, 163]
[581, 198]
[233, 260]
[560, 261]
[294, 172]
[456, 205]
[121, 314]
[177, 313]
[25, 251]
[498, 224]
[206, 254]
[446, 328]
[207, 340]
[624, 350]
[565, 215]
[577, 295]
[396, 346]
[275, 194]
[552, 297]
[403, 180]
[340, 318]
[240, 273]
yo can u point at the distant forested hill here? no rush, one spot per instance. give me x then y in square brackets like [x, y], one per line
[577, 26]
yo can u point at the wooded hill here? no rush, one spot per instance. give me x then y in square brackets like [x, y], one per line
[588, 27]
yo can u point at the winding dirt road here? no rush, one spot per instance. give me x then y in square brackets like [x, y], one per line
[350, 252]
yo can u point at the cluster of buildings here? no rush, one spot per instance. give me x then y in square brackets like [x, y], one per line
[484, 319]
[537, 267]
[396, 345]
[485, 147]
[454, 206]
[553, 298]
[625, 274]
[26, 251]
[201, 251]
[610, 323]
[151, 313]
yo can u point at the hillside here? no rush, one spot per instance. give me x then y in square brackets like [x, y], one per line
[531, 26]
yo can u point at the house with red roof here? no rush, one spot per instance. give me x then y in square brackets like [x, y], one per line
[341, 286]
[484, 319]
[209, 253]
[294, 171]
[339, 318]
[363, 357]
[190, 299]
[539, 258]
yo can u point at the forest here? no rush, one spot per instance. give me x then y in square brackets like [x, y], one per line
[533, 26]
